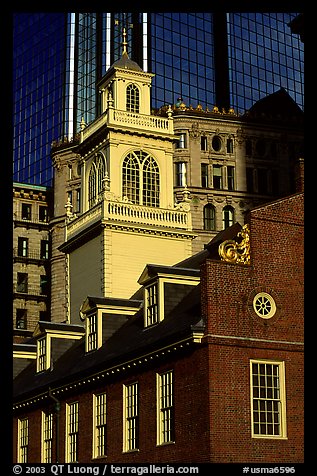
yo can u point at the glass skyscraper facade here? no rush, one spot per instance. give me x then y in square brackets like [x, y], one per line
[223, 59]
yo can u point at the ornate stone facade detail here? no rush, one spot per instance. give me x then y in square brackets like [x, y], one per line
[237, 252]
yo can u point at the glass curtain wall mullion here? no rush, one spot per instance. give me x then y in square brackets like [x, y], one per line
[70, 76]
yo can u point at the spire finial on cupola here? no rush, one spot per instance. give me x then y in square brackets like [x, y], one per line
[124, 42]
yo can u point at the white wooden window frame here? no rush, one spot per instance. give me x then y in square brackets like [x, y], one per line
[23, 440]
[131, 417]
[165, 408]
[71, 428]
[268, 402]
[100, 425]
[47, 437]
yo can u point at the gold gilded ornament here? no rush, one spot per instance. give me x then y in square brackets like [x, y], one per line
[237, 252]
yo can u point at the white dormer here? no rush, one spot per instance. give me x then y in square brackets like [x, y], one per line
[52, 340]
[103, 316]
[160, 293]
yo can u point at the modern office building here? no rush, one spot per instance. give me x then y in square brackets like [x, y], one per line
[223, 59]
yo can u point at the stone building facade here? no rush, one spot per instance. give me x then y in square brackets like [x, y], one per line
[31, 254]
[232, 163]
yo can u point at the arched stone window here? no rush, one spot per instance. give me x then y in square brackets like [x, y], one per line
[227, 216]
[131, 178]
[133, 98]
[92, 185]
[95, 181]
[151, 183]
[209, 217]
[101, 172]
[141, 179]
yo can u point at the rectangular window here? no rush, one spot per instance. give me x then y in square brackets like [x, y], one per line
[217, 176]
[23, 432]
[43, 213]
[204, 175]
[268, 402]
[21, 319]
[165, 408]
[72, 432]
[250, 186]
[91, 323]
[151, 306]
[23, 246]
[182, 142]
[47, 437]
[230, 171]
[22, 283]
[131, 417]
[77, 201]
[180, 174]
[26, 211]
[41, 354]
[44, 249]
[44, 285]
[100, 428]
[203, 143]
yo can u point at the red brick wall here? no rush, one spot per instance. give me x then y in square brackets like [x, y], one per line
[191, 425]
[236, 334]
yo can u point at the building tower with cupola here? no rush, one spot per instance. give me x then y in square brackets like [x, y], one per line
[116, 179]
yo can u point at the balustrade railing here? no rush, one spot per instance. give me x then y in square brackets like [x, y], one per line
[113, 117]
[125, 212]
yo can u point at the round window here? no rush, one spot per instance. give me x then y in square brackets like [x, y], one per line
[216, 143]
[264, 305]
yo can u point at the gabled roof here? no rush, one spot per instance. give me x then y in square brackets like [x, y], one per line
[131, 340]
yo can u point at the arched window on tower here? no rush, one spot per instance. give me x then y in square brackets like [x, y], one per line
[141, 179]
[95, 181]
[131, 178]
[101, 172]
[151, 183]
[133, 98]
[227, 216]
[209, 217]
[92, 185]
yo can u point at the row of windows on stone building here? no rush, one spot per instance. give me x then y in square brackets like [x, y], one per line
[258, 147]
[22, 285]
[23, 250]
[28, 213]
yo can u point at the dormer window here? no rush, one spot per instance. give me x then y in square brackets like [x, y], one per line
[151, 303]
[103, 317]
[47, 334]
[91, 333]
[133, 98]
[164, 288]
[42, 354]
